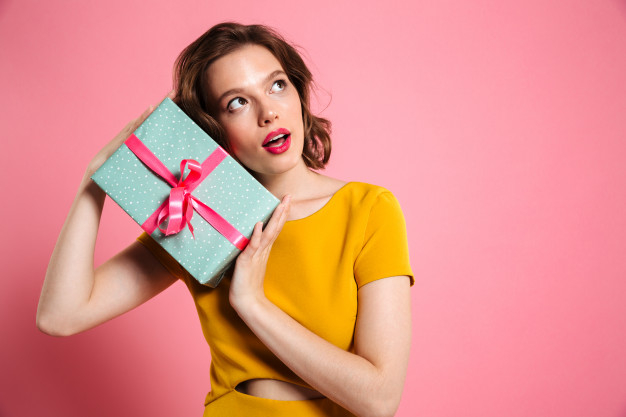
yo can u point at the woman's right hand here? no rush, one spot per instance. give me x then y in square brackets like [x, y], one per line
[106, 152]
[117, 141]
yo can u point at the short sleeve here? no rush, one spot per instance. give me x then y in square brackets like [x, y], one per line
[163, 256]
[385, 251]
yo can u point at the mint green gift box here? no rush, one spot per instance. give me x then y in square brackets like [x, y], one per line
[229, 190]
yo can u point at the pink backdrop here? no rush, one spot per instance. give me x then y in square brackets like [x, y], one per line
[499, 125]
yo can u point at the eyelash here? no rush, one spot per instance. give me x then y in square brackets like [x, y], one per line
[233, 101]
[282, 82]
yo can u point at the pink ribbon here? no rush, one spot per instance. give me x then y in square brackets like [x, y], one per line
[180, 204]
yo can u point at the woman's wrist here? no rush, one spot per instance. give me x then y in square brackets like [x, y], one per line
[247, 306]
[93, 166]
[89, 187]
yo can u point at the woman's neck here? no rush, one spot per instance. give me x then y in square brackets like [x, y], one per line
[299, 182]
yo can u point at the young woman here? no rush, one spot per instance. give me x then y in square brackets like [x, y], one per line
[314, 318]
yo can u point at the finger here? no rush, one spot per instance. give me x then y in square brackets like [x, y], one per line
[147, 113]
[150, 109]
[139, 119]
[255, 239]
[133, 125]
[273, 226]
[283, 218]
[270, 236]
[275, 217]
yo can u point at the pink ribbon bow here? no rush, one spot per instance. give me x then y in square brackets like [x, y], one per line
[180, 204]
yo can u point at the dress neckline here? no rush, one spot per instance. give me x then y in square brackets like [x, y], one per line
[324, 207]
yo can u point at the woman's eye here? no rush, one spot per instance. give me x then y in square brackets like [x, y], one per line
[278, 85]
[236, 103]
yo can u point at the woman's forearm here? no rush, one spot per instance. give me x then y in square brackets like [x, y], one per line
[70, 274]
[348, 379]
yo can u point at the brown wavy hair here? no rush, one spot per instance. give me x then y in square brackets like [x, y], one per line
[190, 81]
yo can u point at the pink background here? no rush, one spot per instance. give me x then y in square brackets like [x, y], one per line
[499, 125]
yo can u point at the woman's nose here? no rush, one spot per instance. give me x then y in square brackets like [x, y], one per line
[267, 114]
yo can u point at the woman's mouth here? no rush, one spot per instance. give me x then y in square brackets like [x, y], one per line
[277, 141]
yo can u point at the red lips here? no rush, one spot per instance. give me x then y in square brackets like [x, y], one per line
[274, 134]
[277, 141]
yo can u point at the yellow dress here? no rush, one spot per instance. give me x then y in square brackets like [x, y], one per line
[314, 271]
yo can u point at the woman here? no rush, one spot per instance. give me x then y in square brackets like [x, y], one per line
[283, 327]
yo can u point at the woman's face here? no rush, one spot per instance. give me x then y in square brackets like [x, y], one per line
[259, 109]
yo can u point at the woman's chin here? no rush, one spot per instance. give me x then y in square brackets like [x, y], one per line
[283, 167]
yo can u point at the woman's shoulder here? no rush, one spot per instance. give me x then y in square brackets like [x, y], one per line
[366, 193]
[367, 188]
[359, 199]
[357, 195]
[329, 186]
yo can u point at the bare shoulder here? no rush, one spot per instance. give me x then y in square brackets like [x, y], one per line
[329, 186]
[315, 196]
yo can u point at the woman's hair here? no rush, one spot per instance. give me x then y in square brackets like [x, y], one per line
[190, 80]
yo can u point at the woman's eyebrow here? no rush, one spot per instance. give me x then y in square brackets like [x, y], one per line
[239, 90]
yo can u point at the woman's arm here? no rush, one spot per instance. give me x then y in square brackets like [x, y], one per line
[368, 382]
[75, 297]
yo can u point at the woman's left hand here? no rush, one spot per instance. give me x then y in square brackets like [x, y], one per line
[246, 286]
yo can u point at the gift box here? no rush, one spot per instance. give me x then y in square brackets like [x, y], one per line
[186, 192]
